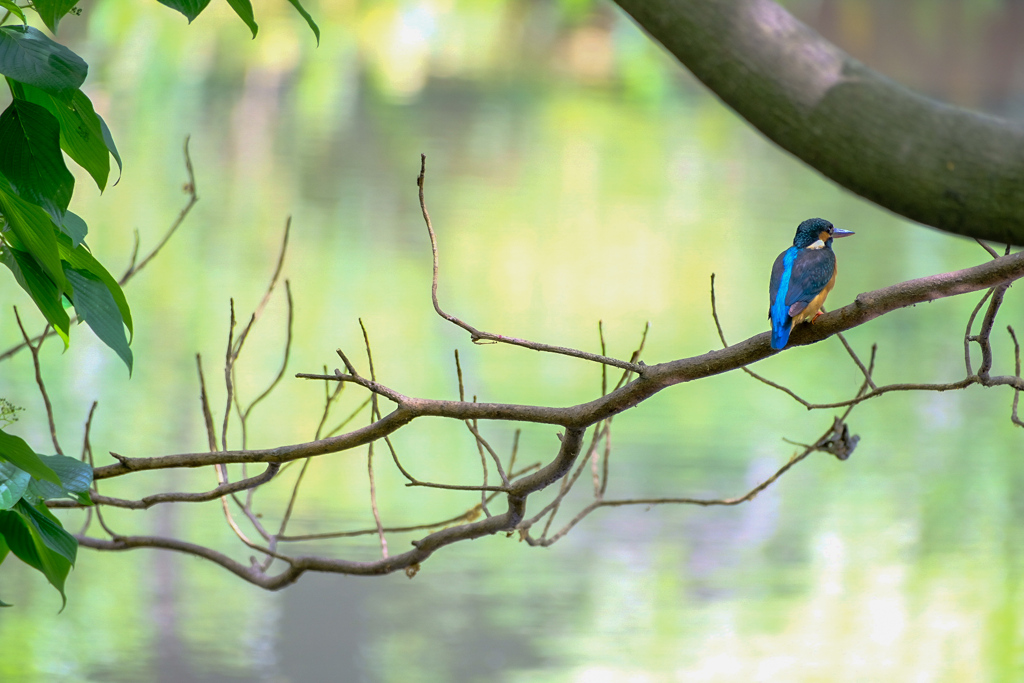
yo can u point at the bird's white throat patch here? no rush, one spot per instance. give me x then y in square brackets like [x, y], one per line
[816, 245]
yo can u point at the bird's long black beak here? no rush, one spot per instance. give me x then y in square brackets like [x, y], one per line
[839, 232]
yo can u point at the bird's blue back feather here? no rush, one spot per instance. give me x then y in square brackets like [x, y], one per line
[781, 322]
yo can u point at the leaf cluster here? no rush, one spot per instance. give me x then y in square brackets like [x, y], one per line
[43, 244]
[243, 8]
[27, 528]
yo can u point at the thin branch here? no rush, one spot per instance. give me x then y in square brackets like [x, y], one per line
[204, 402]
[230, 355]
[373, 504]
[374, 415]
[987, 248]
[132, 268]
[375, 387]
[984, 335]
[594, 461]
[469, 424]
[39, 380]
[1016, 392]
[474, 429]
[760, 378]
[968, 337]
[512, 455]
[158, 498]
[193, 197]
[86, 457]
[291, 499]
[467, 516]
[284, 361]
[329, 398]
[341, 425]
[551, 509]
[86, 444]
[478, 336]
[856, 359]
[705, 502]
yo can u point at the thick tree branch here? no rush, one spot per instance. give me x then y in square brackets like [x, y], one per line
[944, 166]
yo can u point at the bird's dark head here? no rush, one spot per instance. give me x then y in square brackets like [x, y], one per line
[816, 233]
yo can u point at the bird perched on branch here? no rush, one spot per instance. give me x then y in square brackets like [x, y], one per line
[802, 277]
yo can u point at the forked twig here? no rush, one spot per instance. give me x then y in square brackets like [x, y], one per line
[477, 335]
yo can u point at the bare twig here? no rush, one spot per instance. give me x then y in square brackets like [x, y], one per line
[987, 248]
[968, 337]
[704, 502]
[477, 335]
[984, 335]
[244, 414]
[856, 359]
[374, 415]
[1016, 369]
[204, 403]
[193, 197]
[230, 356]
[341, 425]
[39, 380]
[158, 498]
[467, 516]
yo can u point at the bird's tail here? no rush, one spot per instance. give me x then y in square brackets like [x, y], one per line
[781, 327]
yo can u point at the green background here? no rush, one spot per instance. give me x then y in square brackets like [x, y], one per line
[575, 174]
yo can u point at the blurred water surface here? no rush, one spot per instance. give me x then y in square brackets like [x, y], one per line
[574, 175]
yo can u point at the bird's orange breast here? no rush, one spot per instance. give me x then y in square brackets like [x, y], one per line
[817, 302]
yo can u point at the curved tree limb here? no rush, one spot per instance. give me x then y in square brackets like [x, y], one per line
[866, 307]
[997, 273]
[565, 466]
[944, 166]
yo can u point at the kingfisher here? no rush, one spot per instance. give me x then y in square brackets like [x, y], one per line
[802, 277]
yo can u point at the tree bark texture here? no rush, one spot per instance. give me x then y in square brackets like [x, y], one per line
[951, 168]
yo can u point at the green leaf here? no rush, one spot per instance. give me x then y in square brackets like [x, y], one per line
[28, 547]
[49, 530]
[243, 8]
[17, 452]
[31, 159]
[27, 55]
[96, 306]
[44, 292]
[190, 8]
[309, 20]
[13, 482]
[36, 231]
[81, 134]
[4, 550]
[75, 475]
[75, 478]
[74, 227]
[81, 259]
[16, 11]
[52, 11]
[108, 139]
